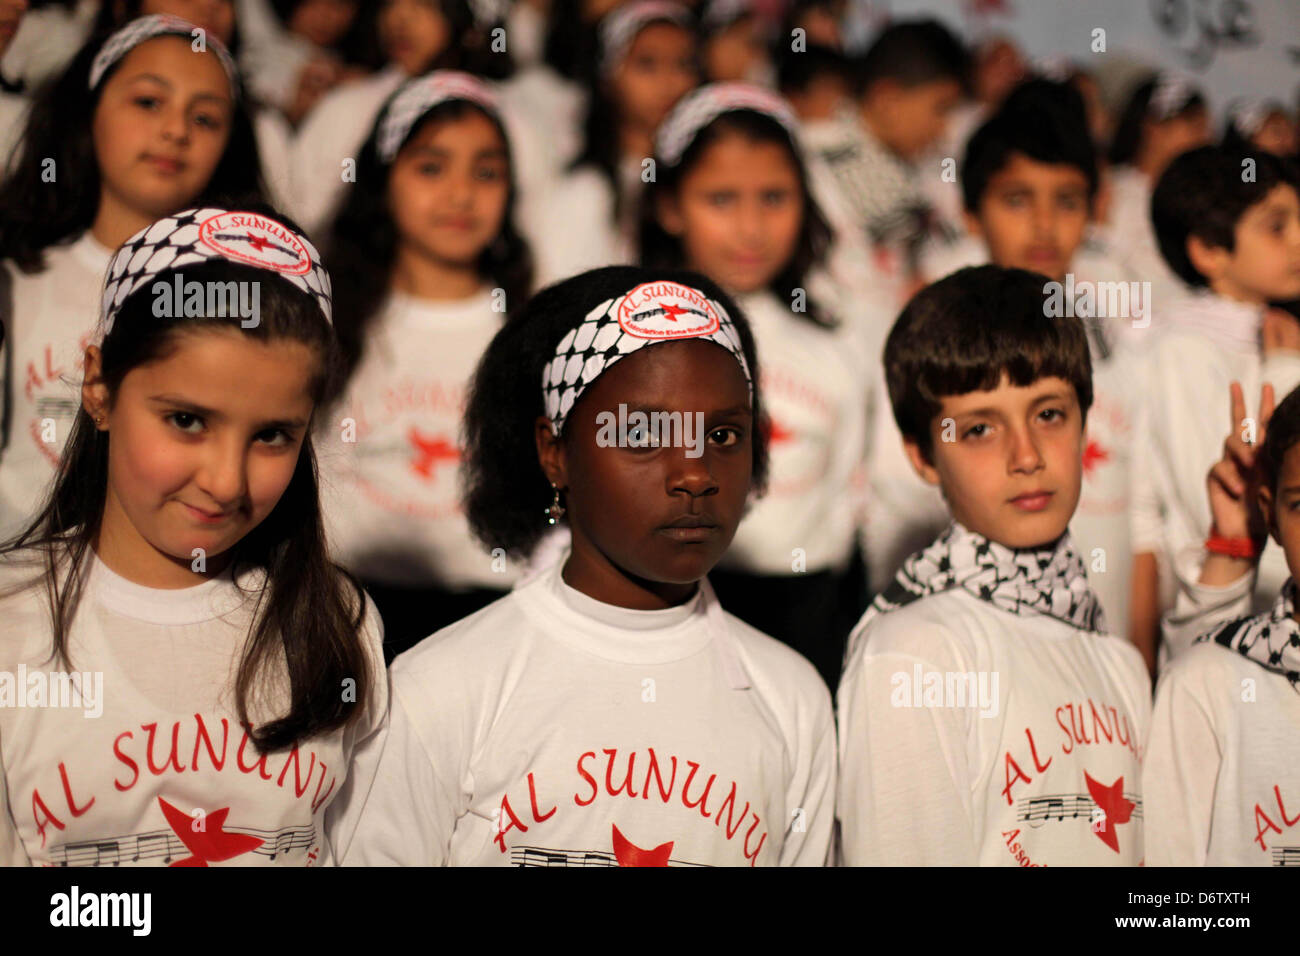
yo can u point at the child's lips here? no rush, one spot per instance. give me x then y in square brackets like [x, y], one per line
[165, 164]
[1033, 500]
[207, 517]
[690, 528]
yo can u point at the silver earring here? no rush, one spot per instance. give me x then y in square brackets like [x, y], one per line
[556, 511]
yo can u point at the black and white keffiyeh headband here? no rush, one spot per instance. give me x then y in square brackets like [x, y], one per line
[1248, 115]
[622, 24]
[196, 236]
[157, 25]
[1046, 581]
[1170, 96]
[699, 108]
[417, 97]
[651, 313]
[1271, 640]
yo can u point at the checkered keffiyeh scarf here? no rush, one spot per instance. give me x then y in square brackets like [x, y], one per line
[1271, 640]
[1046, 581]
[195, 236]
[650, 313]
[417, 97]
[140, 29]
[701, 107]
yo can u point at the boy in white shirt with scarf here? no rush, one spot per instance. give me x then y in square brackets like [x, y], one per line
[985, 716]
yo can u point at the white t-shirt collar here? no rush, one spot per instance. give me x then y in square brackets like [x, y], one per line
[213, 598]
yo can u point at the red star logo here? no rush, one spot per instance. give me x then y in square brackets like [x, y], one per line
[1115, 808]
[629, 854]
[258, 244]
[1094, 455]
[775, 432]
[672, 311]
[429, 452]
[211, 844]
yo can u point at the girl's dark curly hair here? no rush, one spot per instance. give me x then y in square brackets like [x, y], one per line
[504, 489]
[659, 249]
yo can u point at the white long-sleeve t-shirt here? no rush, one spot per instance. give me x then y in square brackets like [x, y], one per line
[149, 765]
[391, 494]
[1182, 416]
[1222, 775]
[50, 323]
[817, 394]
[551, 729]
[1004, 769]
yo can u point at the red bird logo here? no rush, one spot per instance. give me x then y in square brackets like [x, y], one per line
[672, 311]
[258, 243]
[775, 432]
[211, 844]
[1115, 808]
[429, 452]
[1094, 455]
[629, 854]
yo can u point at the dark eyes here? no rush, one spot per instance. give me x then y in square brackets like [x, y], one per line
[186, 422]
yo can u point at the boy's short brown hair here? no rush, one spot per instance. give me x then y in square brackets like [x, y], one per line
[961, 333]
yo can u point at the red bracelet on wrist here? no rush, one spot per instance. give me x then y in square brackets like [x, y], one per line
[1247, 548]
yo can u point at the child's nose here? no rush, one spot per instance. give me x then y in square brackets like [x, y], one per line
[692, 475]
[1025, 455]
[224, 474]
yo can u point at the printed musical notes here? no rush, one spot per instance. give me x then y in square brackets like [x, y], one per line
[1286, 856]
[1037, 811]
[163, 846]
[544, 856]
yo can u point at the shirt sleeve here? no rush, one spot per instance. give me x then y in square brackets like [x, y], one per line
[12, 852]
[1282, 369]
[1145, 510]
[905, 787]
[422, 786]
[1199, 608]
[364, 743]
[811, 796]
[1179, 774]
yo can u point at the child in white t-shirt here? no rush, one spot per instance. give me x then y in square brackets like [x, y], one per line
[1222, 777]
[105, 156]
[1228, 222]
[427, 263]
[985, 715]
[732, 200]
[1029, 180]
[186, 679]
[608, 712]
[646, 62]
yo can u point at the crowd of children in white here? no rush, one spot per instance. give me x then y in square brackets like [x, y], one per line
[316, 549]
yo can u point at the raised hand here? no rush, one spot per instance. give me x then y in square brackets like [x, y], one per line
[1234, 480]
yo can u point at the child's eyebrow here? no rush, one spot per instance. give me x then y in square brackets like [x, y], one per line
[652, 409]
[162, 81]
[991, 410]
[494, 152]
[212, 413]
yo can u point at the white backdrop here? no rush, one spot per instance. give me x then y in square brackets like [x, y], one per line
[1233, 47]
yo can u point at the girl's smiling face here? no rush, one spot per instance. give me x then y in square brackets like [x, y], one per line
[161, 127]
[737, 212]
[629, 507]
[448, 188]
[202, 444]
